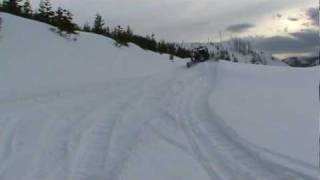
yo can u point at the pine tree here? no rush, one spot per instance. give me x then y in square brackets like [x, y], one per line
[162, 47]
[119, 30]
[27, 10]
[45, 11]
[68, 25]
[98, 25]
[120, 36]
[129, 31]
[58, 18]
[107, 32]
[63, 20]
[86, 27]
[171, 48]
[12, 6]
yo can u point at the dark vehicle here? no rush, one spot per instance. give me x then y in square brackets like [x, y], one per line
[199, 54]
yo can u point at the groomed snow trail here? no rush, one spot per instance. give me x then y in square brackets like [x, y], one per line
[95, 134]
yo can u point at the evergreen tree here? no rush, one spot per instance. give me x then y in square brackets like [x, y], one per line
[58, 15]
[162, 47]
[12, 6]
[98, 25]
[45, 11]
[27, 10]
[68, 25]
[63, 20]
[118, 31]
[171, 48]
[129, 31]
[120, 36]
[107, 32]
[153, 43]
[86, 27]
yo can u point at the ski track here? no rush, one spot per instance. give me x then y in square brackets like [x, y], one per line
[102, 127]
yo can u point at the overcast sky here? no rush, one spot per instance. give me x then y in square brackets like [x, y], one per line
[286, 21]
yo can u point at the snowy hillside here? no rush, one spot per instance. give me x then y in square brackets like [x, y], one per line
[240, 51]
[86, 110]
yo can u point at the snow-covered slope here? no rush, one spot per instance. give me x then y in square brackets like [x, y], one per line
[35, 60]
[239, 51]
[86, 110]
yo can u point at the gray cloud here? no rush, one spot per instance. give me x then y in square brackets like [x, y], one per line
[307, 36]
[313, 15]
[306, 41]
[174, 20]
[240, 27]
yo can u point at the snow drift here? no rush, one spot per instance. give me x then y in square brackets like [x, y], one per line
[87, 110]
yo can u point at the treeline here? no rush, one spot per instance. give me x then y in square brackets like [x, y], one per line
[123, 36]
[63, 20]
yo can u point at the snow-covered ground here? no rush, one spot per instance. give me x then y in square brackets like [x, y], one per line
[275, 108]
[86, 110]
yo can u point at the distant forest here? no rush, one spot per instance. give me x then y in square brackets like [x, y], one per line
[63, 20]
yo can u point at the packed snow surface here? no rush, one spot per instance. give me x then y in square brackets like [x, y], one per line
[86, 110]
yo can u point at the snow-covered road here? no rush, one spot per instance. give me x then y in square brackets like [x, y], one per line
[103, 132]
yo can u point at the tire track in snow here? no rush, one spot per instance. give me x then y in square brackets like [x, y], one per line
[49, 133]
[133, 122]
[217, 149]
[102, 152]
[107, 145]
[178, 112]
[238, 147]
[90, 161]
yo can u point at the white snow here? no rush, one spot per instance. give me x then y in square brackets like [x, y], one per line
[86, 110]
[285, 116]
